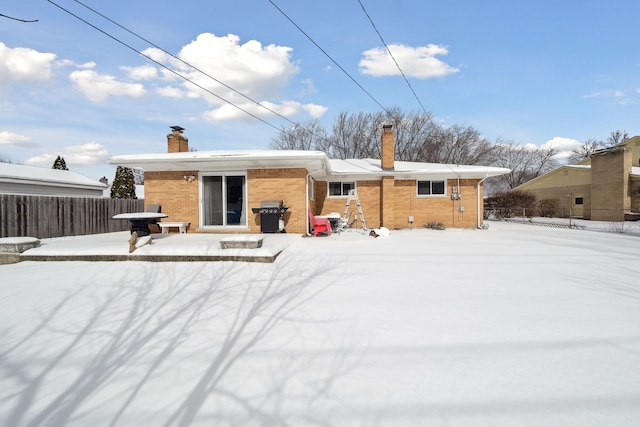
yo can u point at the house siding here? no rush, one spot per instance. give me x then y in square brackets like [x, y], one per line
[177, 197]
[399, 200]
[278, 184]
[607, 187]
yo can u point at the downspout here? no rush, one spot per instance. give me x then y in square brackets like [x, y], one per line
[486, 176]
[306, 200]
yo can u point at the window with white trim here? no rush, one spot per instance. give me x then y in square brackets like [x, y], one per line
[432, 188]
[337, 189]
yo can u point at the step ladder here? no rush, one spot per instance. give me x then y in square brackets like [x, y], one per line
[353, 195]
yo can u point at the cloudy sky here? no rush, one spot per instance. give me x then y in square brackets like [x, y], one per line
[544, 73]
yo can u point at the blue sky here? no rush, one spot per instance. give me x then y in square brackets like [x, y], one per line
[536, 72]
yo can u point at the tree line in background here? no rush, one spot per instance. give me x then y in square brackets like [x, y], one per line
[420, 138]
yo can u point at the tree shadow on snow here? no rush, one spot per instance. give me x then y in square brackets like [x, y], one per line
[172, 345]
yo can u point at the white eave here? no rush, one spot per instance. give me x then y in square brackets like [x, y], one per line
[371, 168]
[313, 161]
[224, 160]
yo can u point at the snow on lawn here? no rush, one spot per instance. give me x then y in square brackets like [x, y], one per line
[515, 325]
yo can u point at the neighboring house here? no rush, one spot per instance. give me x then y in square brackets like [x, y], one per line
[20, 179]
[216, 190]
[604, 187]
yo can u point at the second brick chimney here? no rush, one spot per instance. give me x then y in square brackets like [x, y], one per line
[176, 141]
[387, 151]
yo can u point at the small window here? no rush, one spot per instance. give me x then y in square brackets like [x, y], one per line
[341, 188]
[428, 188]
[579, 200]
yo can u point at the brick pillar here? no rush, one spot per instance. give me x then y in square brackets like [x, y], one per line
[387, 150]
[387, 202]
[610, 195]
[176, 141]
[387, 187]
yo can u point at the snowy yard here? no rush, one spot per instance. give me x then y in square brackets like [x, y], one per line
[517, 325]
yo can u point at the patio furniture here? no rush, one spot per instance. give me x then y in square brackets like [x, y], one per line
[155, 208]
[334, 220]
[319, 224]
[140, 221]
[165, 226]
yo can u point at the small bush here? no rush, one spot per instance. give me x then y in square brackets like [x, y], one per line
[433, 225]
[509, 204]
[548, 207]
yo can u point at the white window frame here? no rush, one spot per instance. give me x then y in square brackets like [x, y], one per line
[224, 189]
[342, 195]
[431, 181]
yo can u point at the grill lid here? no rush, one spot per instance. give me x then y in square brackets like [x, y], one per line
[272, 204]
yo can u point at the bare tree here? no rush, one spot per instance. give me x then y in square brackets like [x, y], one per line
[418, 138]
[591, 145]
[584, 151]
[617, 137]
[306, 136]
[525, 163]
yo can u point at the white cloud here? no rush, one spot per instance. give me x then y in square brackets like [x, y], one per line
[419, 62]
[285, 108]
[87, 154]
[21, 63]
[309, 87]
[16, 140]
[171, 92]
[144, 72]
[98, 87]
[252, 69]
[618, 96]
[563, 145]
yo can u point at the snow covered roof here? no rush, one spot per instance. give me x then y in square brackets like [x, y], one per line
[313, 161]
[224, 160]
[20, 174]
[411, 170]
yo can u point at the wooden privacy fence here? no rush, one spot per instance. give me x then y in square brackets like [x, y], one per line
[51, 216]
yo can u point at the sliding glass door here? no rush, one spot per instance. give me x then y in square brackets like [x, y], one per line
[222, 201]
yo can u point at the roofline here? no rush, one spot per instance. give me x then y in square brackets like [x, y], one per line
[15, 180]
[537, 178]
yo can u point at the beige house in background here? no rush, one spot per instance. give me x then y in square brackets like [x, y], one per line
[604, 187]
[215, 191]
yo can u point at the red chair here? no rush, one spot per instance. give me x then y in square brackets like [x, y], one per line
[319, 224]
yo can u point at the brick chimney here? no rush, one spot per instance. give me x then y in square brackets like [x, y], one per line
[388, 148]
[176, 142]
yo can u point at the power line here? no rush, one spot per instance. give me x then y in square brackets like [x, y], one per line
[392, 57]
[18, 19]
[328, 56]
[186, 63]
[170, 69]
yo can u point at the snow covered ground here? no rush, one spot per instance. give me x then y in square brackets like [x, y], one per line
[517, 325]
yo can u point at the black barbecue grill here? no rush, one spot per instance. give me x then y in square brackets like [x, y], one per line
[271, 212]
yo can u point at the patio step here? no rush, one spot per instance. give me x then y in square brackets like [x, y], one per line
[241, 242]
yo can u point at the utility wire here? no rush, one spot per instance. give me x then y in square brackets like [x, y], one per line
[163, 66]
[392, 57]
[186, 63]
[328, 56]
[18, 19]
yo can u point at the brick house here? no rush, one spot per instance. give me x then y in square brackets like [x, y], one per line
[604, 187]
[215, 190]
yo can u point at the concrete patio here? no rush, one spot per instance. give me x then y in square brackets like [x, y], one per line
[164, 248]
